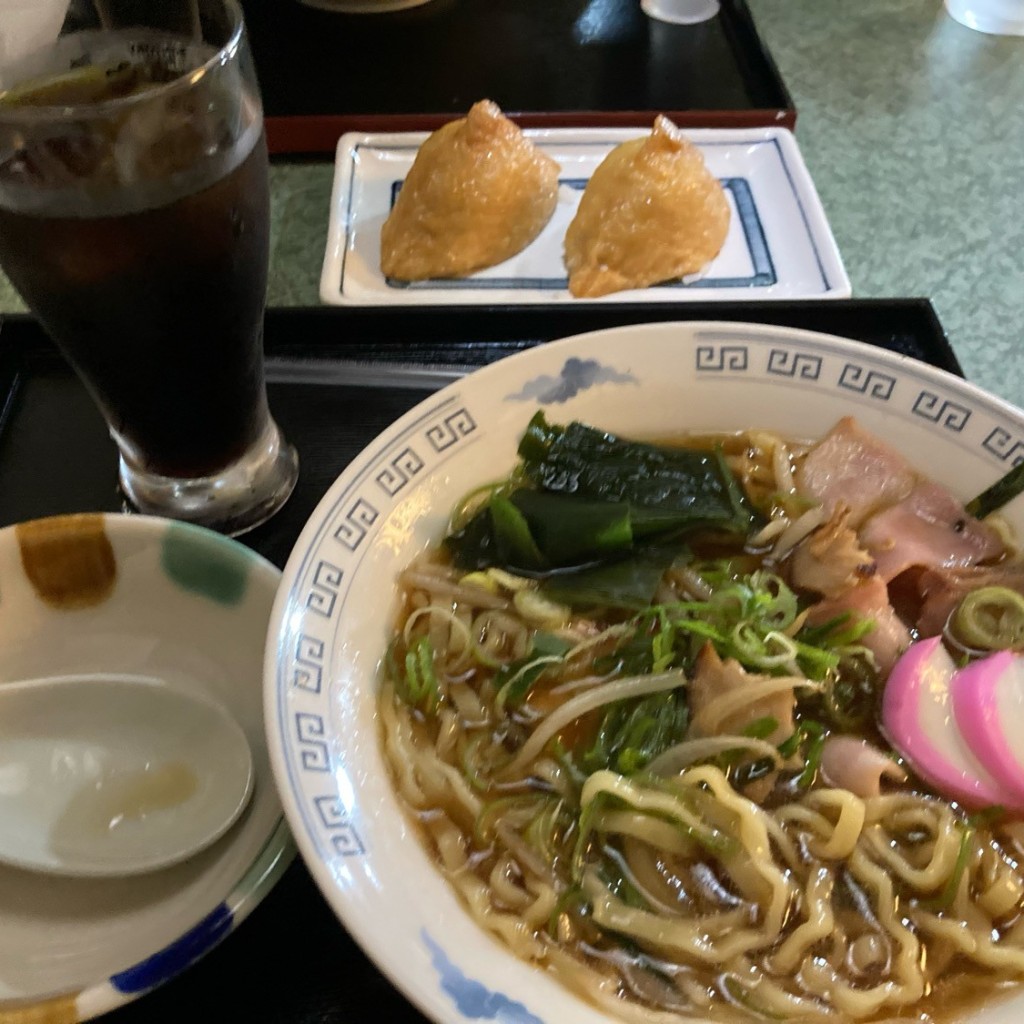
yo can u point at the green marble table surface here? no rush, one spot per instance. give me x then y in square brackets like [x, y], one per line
[913, 129]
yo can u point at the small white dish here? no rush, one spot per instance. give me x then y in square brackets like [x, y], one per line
[779, 246]
[149, 597]
[330, 625]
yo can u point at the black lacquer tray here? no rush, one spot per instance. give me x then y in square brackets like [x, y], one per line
[337, 378]
[549, 63]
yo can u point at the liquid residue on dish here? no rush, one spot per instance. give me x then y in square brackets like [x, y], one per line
[68, 560]
[117, 801]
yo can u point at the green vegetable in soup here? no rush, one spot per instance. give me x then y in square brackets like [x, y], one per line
[591, 498]
[695, 487]
[1001, 493]
[990, 619]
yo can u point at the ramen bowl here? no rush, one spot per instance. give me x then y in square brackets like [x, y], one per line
[334, 611]
[134, 596]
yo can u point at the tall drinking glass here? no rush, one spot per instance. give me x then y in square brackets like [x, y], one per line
[134, 221]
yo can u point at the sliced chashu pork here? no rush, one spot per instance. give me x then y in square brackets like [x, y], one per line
[901, 522]
[851, 468]
[929, 528]
[888, 638]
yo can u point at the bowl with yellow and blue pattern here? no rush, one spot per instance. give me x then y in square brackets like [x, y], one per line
[99, 593]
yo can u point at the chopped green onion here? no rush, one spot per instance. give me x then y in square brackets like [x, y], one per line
[986, 816]
[809, 738]
[741, 995]
[663, 645]
[814, 733]
[422, 688]
[761, 728]
[520, 807]
[515, 681]
[632, 733]
[542, 833]
[990, 619]
[585, 825]
[829, 632]
[944, 900]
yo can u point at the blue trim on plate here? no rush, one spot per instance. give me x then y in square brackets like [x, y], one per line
[472, 998]
[348, 215]
[181, 953]
[750, 221]
[753, 231]
[803, 214]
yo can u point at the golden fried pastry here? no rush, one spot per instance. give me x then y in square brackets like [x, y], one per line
[477, 193]
[651, 212]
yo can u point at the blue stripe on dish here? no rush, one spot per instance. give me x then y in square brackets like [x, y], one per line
[473, 999]
[750, 221]
[181, 953]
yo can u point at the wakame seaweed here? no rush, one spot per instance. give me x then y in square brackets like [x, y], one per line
[580, 460]
[627, 583]
[594, 498]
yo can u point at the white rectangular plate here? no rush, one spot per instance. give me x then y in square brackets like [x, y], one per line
[779, 245]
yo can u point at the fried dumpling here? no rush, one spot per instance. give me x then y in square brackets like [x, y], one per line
[651, 212]
[477, 193]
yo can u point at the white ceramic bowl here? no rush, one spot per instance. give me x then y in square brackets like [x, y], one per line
[330, 622]
[134, 595]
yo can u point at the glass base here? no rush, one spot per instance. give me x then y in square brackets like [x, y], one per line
[237, 499]
[996, 17]
[680, 12]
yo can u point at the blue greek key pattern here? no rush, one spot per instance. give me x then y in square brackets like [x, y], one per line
[334, 818]
[323, 592]
[454, 427]
[310, 731]
[359, 518]
[399, 471]
[784, 363]
[716, 358]
[330, 810]
[346, 842]
[309, 664]
[949, 414]
[867, 382]
[1005, 446]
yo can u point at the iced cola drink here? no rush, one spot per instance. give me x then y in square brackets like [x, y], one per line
[134, 219]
